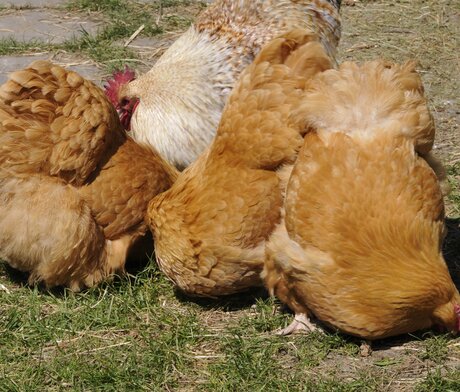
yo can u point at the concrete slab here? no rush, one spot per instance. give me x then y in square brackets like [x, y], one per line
[32, 3]
[86, 69]
[9, 64]
[145, 42]
[46, 26]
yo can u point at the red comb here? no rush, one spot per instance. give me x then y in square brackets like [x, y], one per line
[113, 85]
[457, 312]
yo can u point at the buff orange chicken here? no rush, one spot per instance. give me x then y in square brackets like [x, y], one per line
[360, 248]
[74, 187]
[210, 228]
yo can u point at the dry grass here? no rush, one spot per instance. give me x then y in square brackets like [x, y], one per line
[426, 31]
[139, 334]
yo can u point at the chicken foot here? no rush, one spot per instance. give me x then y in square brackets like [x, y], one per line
[301, 323]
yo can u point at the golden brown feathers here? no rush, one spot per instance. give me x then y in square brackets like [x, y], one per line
[360, 247]
[55, 122]
[74, 187]
[210, 227]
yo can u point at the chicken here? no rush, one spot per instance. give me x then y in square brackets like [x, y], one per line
[360, 247]
[74, 188]
[210, 227]
[177, 105]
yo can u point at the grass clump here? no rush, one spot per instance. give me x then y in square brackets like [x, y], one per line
[101, 50]
[265, 317]
[436, 349]
[436, 382]
[453, 172]
[97, 5]
[125, 17]
[247, 364]
[11, 46]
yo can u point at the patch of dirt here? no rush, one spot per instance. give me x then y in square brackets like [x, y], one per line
[397, 366]
[425, 31]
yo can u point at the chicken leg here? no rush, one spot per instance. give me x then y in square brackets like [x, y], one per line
[300, 324]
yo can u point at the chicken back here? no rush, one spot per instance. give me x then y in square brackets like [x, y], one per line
[360, 247]
[210, 228]
[74, 188]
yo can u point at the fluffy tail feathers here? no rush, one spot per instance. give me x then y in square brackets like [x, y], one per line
[52, 121]
[368, 99]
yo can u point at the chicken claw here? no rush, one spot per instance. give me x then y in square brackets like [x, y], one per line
[300, 324]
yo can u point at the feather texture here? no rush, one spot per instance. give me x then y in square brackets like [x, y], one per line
[211, 226]
[182, 97]
[360, 247]
[74, 188]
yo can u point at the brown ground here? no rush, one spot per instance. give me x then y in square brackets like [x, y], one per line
[427, 31]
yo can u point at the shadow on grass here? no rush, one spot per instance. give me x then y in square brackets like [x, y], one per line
[140, 255]
[15, 276]
[451, 249]
[228, 303]
[398, 341]
[140, 260]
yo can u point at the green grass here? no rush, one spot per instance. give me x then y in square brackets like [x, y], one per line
[124, 17]
[101, 50]
[10, 46]
[139, 334]
[118, 336]
[121, 19]
[136, 334]
[436, 382]
[453, 172]
[117, 5]
[436, 349]
[97, 5]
